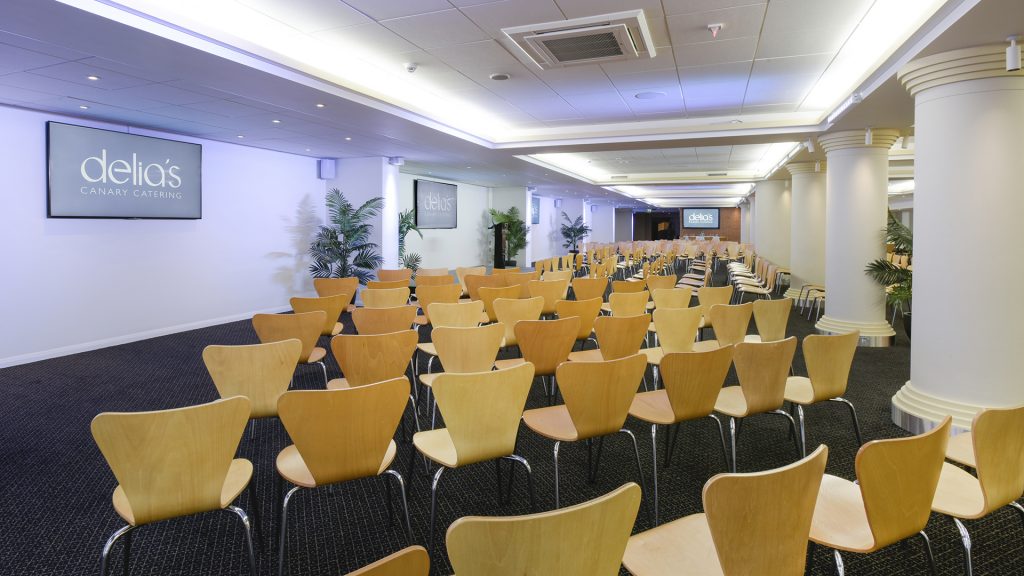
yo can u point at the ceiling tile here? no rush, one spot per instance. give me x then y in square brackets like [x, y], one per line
[786, 32]
[711, 89]
[599, 105]
[579, 8]
[190, 114]
[15, 59]
[379, 10]
[369, 38]
[487, 54]
[691, 6]
[436, 29]
[645, 80]
[431, 72]
[166, 93]
[77, 73]
[672, 101]
[784, 80]
[42, 47]
[738, 23]
[226, 108]
[16, 95]
[664, 59]
[310, 15]
[548, 109]
[494, 16]
[717, 52]
[151, 73]
[576, 80]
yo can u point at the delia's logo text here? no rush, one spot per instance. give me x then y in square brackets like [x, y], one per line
[701, 218]
[97, 169]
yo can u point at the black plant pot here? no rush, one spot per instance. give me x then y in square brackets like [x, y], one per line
[510, 263]
[906, 324]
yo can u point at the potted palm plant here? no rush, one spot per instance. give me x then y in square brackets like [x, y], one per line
[515, 232]
[407, 224]
[897, 280]
[573, 231]
[342, 248]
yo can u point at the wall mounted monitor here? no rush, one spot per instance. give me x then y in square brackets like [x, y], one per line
[436, 204]
[95, 173]
[700, 218]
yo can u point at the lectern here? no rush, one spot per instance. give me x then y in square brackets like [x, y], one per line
[499, 244]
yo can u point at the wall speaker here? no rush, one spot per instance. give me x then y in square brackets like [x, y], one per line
[326, 168]
[593, 207]
[396, 160]
[558, 202]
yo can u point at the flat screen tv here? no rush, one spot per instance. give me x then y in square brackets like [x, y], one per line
[700, 218]
[95, 173]
[437, 204]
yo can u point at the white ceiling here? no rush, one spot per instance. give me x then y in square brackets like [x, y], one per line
[208, 80]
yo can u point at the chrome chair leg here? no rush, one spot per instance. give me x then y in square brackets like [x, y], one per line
[405, 504]
[803, 433]
[248, 536]
[928, 551]
[110, 544]
[324, 368]
[721, 434]
[1020, 509]
[529, 478]
[284, 530]
[654, 468]
[557, 503]
[732, 440]
[840, 570]
[433, 508]
[853, 414]
[965, 537]
[639, 466]
[792, 424]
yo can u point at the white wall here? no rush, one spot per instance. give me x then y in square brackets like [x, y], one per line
[466, 245]
[623, 225]
[601, 222]
[546, 236]
[76, 285]
[361, 179]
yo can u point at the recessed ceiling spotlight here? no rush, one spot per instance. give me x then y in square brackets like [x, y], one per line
[276, 121]
[648, 95]
[499, 76]
[92, 77]
[469, 167]
[347, 138]
[240, 136]
[319, 105]
[83, 106]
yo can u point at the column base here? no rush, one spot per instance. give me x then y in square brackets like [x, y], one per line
[872, 334]
[917, 412]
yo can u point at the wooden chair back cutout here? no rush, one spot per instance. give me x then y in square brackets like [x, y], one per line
[628, 303]
[306, 327]
[677, 328]
[655, 282]
[344, 434]
[260, 372]
[383, 320]
[468, 349]
[828, 359]
[731, 322]
[399, 275]
[457, 315]
[547, 343]
[762, 369]
[489, 295]
[409, 561]
[474, 282]
[598, 394]
[386, 284]
[588, 538]
[589, 288]
[627, 287]
[585, 310]
[441, 293]
[332, 306]
[551, 291]
[998, 437]
[510, 311]
[672, 297]
[621, 336]
[368, 359]
[771, 318]
[172, 463]
[694, 379]
[332, 286]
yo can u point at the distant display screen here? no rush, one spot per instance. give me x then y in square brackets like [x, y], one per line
[437, 204]
[95, 173]
[700, 218]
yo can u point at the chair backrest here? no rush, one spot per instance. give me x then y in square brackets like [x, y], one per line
[522, 279]
[731, 322]
[708, 296]
[558, 276]
[423, 280]
[550, 290]
[385, 297]
[627, 286]
[332, 306]
[628, 303]
[344, 434]
[367, 359]
[621, 336]
[509, 311]
[462, 272]
[482, 410]
[409, 561]
[172, 463]
[260, 372]
[771, 318]
[305, 327]
[589, 288]
[399, 275]
[457, 315]
[585, 310]
[672, 297]
[998, 437]
[468, 349]
[476, 281]
[488, 295]
[598, 394]
[442, 293]
[433, 272]
[660, 282]
[386, 284]
[677, 328]
[760, 522]
[497, 271]
[588, 538]
[383, 320]
[762, 369]
[332, 286]
[897, 479]
[547, 343]
[694, 379]
[828, 359]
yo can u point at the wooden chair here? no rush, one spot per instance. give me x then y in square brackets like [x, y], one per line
[509, 311]
[481, 411]
[399, 275]
[424, 280]
[339, 435]
[385, 297]
[752, 524]
[627, 287]
[462, 272]
[597, 400]
[589, 288]
[368, 359]
[304, 327]
[410, 561]
[692, 383]
[463, 314]
[173, 463]
[433, 272]
[551, 291]
[463, 350]
[710, 296]
[891, 501]
[545, 344]
[496, 271]
[771, 318]
[655, 282]
[557, 276]
[730, 325]
[998, 446]
[430, 294]
[260, 372]
[474, 282]
[587, 538]
[617, 337]
[369, 321]
[671, 298]
[678, 332]
[332, 306]
[586, 310]
[522, 279]
[386, 285]
[333, 286]
[626, 303]
[489, 295]
[762, 368]
[828, 360]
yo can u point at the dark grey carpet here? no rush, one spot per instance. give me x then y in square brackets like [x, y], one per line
[56, 511]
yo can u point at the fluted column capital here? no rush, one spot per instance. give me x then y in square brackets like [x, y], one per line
[961, 65]
[806, 167]
[880, 138]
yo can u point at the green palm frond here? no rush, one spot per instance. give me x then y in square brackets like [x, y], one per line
[898, 281]
[574, 231]
[341, 248]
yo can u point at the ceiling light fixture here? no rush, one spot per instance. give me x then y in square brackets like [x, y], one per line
[347, 138]
[869, 137]
[92, 77]
[736, 121]
[715, 29]
[1012, 55]
[810, 145]
[83, 106]
[240, 136]
[276, 121]
[499, 76]
[319, 105]
[648, 95]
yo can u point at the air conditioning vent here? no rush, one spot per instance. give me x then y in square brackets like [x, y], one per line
[718, 173]
[590, 40]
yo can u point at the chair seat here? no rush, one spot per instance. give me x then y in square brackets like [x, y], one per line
[508, 363]
[683, 546]
[731, 402]
[420, 320]
[292, 468]
[316, 355]
[551, 422]
[840, 520]
[958, 494]
[485, 319]
[961, 449]
[593, 355]
[653, 407]
[438, 446]
[338, 327]
[239, 474]
[427, 348]
[428, 379]
[654, 355]
[706, 345]
[799, 390]
[350, 308]
[752, 338]
[338, 384]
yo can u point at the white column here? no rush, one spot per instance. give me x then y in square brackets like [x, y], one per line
[968, 331]
[771, 221]
[360, 179]
[856, 205]
[807, 228]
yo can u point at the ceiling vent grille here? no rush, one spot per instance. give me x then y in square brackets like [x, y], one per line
[590, 40]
